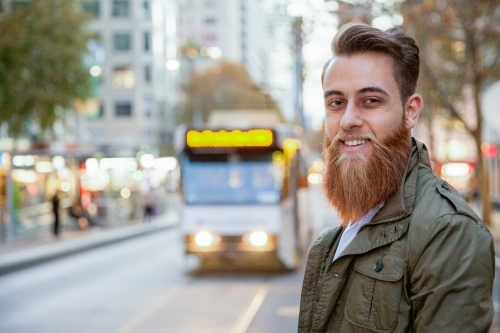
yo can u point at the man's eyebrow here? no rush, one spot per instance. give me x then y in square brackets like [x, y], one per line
[372, 89]
[360, 91]
[333, 92]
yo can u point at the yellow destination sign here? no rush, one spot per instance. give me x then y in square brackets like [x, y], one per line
[234, 138]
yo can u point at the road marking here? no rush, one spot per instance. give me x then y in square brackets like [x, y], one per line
[151, 312]
[247, 316]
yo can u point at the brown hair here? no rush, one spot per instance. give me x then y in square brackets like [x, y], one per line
[354, 38]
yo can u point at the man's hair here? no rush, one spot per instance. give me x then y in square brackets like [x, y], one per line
[355, 38]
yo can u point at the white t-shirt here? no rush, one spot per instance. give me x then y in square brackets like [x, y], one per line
[352, 229]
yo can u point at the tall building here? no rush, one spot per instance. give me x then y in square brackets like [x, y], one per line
[235, 30]
[135, 60]
[254, 33]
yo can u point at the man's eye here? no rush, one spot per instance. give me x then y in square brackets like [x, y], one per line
[371, 101]
[336, 103]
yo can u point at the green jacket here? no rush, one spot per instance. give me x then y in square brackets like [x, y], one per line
[424, 263]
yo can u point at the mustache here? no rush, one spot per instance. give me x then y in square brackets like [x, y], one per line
[344, 135]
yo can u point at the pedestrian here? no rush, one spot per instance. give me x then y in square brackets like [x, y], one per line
[77, 211]
[149, 205]
[410, 254]
[55, 210]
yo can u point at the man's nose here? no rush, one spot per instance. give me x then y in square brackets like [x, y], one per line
[351, 118]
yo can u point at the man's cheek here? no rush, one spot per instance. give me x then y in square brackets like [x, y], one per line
[330, 125]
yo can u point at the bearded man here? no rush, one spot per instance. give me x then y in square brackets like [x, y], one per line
[410, 255]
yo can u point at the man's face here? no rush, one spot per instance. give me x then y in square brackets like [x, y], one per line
[362, 101]
[367, 139]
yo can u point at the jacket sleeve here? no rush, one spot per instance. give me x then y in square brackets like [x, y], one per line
[315, 265]
[452, 278]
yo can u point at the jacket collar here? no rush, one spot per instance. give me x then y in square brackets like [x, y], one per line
[401, 202]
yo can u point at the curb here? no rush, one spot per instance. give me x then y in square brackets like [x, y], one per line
[18, 260]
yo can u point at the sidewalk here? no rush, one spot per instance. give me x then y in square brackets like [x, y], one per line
[23, 254]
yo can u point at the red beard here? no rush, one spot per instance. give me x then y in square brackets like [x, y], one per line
[354, 184]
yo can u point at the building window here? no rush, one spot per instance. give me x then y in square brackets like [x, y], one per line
[121, 42]
[123, 109]
[147, 73]
[147, 41]
[146, 12]
[148, 107]
[166, 137]
[162, 110]
[123, 77]
[210, 20]
[210, 3]
[92, 7]
[121, 8]
[100, 114]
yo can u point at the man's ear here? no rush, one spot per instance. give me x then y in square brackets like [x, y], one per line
[412, 110]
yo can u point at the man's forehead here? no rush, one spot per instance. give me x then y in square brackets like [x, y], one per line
[367, 70]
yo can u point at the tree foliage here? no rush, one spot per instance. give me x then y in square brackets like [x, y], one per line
[42, 45]
[459, 45]
[225, 86]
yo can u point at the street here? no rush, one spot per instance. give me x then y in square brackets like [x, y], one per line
[146, 284]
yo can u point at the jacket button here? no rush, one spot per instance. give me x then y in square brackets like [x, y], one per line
[446, 186]
[378, 266]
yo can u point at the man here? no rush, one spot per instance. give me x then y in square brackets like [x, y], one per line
[55, 210]
[410, 255]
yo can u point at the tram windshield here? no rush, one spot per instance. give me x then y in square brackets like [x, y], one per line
[233, 179]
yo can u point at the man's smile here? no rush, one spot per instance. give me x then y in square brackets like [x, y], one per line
[354, 142]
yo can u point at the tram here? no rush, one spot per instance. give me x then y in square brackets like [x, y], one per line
[239, 191]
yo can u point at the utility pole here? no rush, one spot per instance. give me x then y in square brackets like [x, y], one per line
[298, 73]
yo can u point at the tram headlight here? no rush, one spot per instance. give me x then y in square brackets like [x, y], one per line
[258, 238]
[204, 239]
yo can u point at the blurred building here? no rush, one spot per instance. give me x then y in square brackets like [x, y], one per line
[230, 30]
[134, 61]
[256, 34]
[134, 67]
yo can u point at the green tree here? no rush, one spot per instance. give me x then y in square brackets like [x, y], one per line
[42, 47]
[459, 45]
[225, 86]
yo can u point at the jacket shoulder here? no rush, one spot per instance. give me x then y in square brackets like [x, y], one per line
[435, 199]
[439, 209]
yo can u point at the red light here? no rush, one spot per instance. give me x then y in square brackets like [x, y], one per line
[489, 149]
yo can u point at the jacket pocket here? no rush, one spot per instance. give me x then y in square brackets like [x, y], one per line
[375, 293]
